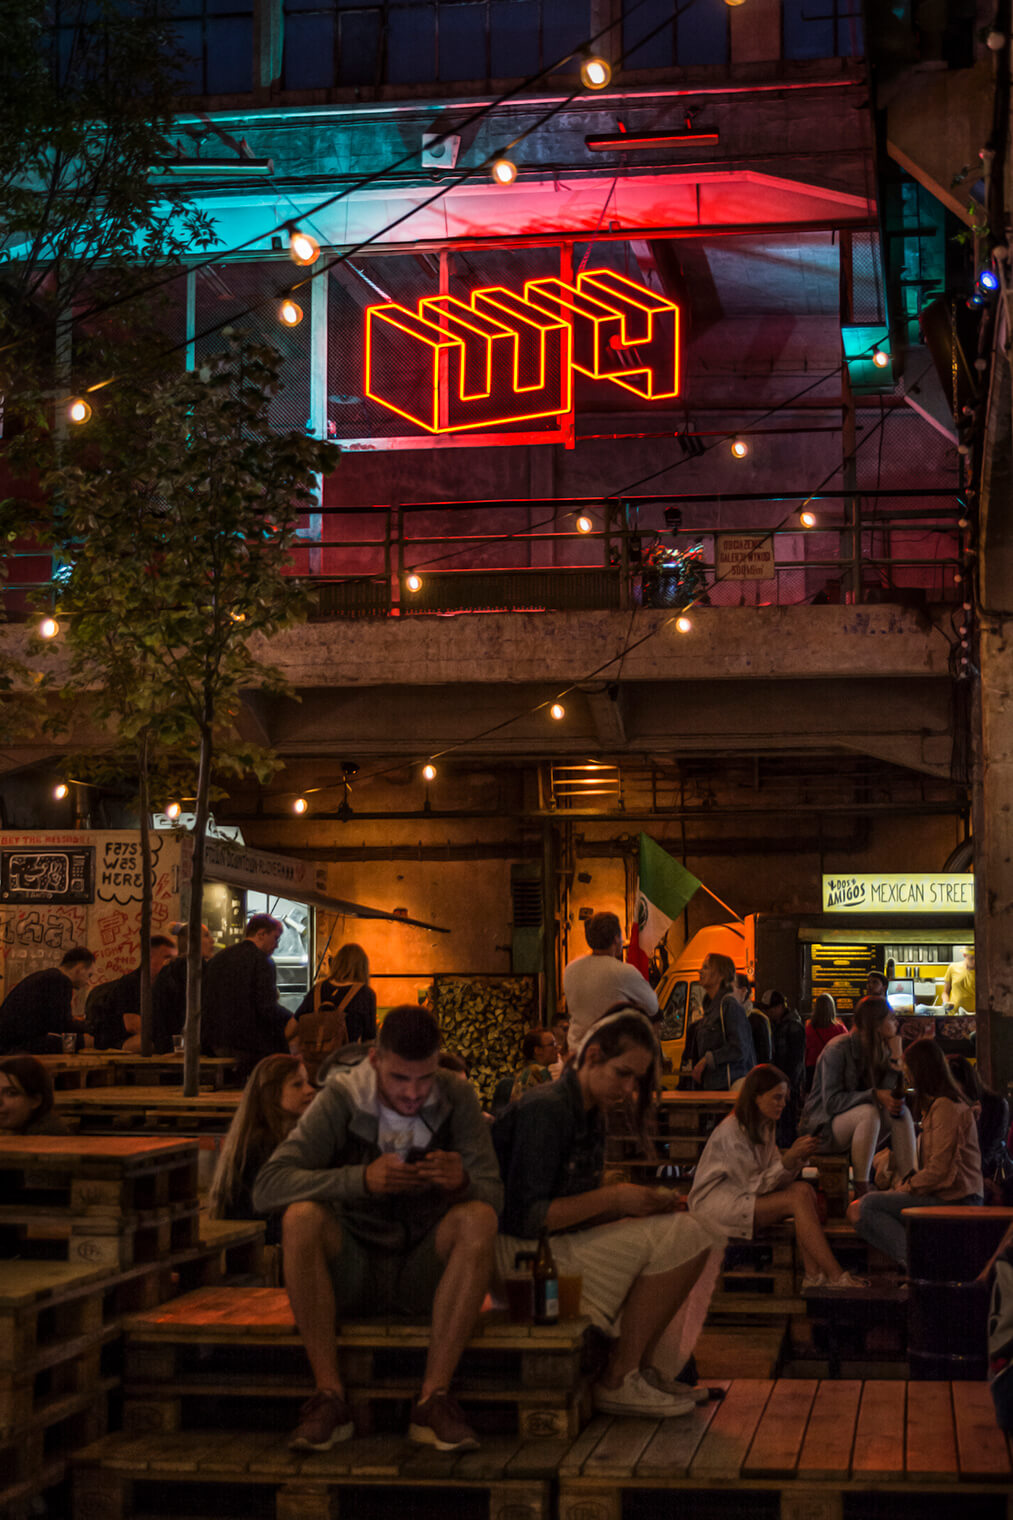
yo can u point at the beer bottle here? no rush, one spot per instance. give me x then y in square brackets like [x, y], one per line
[546, 1283]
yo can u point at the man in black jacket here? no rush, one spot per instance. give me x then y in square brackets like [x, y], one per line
[241, 1016]
[41, 1004]
[112, 1012]
[168, 995]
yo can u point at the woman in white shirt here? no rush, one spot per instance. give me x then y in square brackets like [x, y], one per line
[744, 1183]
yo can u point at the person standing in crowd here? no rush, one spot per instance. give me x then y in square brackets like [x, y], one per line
[949, 1168]
[275, 1097]
[638, 1258]
[26, 1098]
[594, 983]
[241, 1016]
[112, 1012]
[42, 1004]
[390, 1190]
[724, 1042]
[854, 1102]
[788, 1055]
[347, 989]
[743, 1183]
[538, 1052]
[958, 984]
[168, 995]
[822, 1027]
[756, 1018]
[876, 983]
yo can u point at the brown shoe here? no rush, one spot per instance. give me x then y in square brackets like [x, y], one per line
[440, 1422]
[324, 1420]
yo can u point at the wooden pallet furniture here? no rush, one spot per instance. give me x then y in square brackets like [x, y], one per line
[113, 1203]
[810, 1446]
[112, 1068]
[159, 1109]
[233, 1355]
[679, 1128]
[947, 1248]
[114, 1478]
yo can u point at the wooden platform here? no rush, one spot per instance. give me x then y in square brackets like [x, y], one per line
[226, 1358]
[111, 1068]
[105, 1109]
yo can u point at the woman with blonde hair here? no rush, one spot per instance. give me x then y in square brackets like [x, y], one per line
[276, 1095]
[347, 988]
[743, 1183]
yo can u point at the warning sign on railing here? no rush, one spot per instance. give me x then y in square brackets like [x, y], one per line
[745, 557]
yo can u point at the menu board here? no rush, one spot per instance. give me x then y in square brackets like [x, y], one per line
[48, 875]
[841, 970]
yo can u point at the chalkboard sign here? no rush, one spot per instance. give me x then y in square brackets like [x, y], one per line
[48, 876]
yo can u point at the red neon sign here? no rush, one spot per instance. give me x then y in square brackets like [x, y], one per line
[500, 357]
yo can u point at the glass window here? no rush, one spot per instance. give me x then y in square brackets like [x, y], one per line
[655, 38]
[462, 41]
[822, 29]
[513, 38]
[411, 44]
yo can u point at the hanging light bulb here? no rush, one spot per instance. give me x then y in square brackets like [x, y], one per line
[60, 790]
[988, 279]
[807, 519]
[173, 810]
[595, 73]
[557, 711]
[584, 524]
[413, 582]
[740, 448]
[881, 358]
[300, 805]
[503, 171]
[734, 2]
[684, 624]
[429, 772]
[290, 312]
[79, 411]
[48, 628]
[302, 248]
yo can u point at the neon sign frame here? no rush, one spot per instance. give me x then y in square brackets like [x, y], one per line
[502, 358]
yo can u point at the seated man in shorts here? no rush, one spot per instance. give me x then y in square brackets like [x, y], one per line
[390, 1189]
[640, 1260]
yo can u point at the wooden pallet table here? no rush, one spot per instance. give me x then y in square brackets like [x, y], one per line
[226, 1357]
[114, 1478]
[112, 1068]
[811, 1445]
[149, 1108]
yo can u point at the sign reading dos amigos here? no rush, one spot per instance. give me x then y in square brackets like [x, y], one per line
[897, 893]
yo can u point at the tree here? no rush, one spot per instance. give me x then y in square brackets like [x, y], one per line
[178, 510]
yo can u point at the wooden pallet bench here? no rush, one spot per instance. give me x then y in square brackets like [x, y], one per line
[231, 1355]
[111, 1068]
[98, 1110]
[114, 1478]
[810, 1445]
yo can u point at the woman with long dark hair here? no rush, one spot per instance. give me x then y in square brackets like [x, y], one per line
[276, 1095]
[949, 1166]
[822, 1026]
[854, 1101]
[638, 1258]
[743, 1182]
[26, 1098]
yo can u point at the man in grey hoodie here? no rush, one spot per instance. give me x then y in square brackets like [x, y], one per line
[391, 1192]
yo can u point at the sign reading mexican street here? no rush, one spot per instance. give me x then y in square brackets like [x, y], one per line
[898, 893]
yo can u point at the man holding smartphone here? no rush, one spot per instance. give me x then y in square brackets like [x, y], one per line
[391, 1192]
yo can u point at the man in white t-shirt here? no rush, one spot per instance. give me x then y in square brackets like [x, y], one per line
[594, 983]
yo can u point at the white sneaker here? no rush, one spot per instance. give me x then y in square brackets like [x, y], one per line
[675, 1387]
[635, 1396]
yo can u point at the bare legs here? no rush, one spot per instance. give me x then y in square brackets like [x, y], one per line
[311, 1240]
[652, 1304]
[798, 1202]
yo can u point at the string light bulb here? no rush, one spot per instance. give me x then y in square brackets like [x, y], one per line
[290, 312]
[48, 628]
[303, 249]
[60, 790]
[503, 171]
[173, 810]
[413, 582]
[988, 280]
[881, 358]
[300, 805]
[79, 411]
[557, 711]
[684, 624]
[429, 772]
[733, 3]
[740, 448]
[807, 519]
[595, 72]
[584, 524]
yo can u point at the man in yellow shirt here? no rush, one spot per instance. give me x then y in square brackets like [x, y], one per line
[958, 988]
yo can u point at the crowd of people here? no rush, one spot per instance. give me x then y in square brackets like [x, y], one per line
[390, 1190]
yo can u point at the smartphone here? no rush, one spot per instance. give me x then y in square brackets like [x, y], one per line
[416, 1154]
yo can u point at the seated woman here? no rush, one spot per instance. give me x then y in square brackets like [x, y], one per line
[991, 1114]
[638, 1259]
[743, 1182]
[276, 1094]
[853, 1101]
[26, 1098]
[950, 1162]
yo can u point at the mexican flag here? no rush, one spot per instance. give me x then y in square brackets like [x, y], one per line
[663, 890]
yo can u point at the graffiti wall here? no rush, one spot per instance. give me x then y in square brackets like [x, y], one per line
[79, 887]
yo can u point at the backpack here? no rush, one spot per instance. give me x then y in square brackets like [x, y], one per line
[323, 1029]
